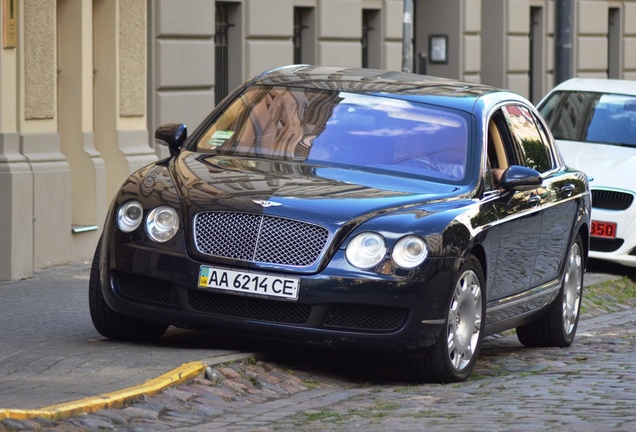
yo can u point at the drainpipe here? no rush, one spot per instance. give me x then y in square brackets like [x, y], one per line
[407, 37]
[563, 40]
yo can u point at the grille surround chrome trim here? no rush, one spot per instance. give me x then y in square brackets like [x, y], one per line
[259, 238]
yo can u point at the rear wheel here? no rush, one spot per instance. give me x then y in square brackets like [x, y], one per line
[112, 324]
[452, 358]
[558, 326]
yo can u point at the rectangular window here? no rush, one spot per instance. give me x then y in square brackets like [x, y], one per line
[614, 44]
[221, 55]
[371, 42]
[304, 35]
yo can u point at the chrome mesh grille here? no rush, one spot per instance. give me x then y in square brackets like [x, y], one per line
[611, 200]
[259, 238]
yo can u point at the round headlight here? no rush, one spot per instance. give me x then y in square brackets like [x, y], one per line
[162, 223]
[409, 252]
[129, 216]
[366, 250]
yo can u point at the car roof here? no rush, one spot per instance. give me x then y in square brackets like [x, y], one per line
[598, 85]
[421, 88]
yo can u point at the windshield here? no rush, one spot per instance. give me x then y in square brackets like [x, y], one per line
[592, 117]
[331, 127]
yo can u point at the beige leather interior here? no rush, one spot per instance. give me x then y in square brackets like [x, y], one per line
[497, 143]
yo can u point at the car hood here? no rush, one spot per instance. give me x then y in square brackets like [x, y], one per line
[326, 194]
[606, 165]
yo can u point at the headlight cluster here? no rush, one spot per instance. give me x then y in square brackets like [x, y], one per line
[129, 216]
[161, 223]
[409, 252]
[368, 249]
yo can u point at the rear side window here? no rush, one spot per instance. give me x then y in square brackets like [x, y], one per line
[591, 117]
[535, 151]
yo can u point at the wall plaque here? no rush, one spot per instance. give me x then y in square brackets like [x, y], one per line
[9, 23]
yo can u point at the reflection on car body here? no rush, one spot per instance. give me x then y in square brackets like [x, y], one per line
[352, 208]
[594, 123]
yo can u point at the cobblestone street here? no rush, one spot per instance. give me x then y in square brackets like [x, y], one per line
[590, 386]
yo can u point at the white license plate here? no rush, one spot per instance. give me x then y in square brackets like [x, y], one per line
[249, 282]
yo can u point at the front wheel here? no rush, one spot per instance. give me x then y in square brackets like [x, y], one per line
[453, 356]
[112, 324]
[558, 326]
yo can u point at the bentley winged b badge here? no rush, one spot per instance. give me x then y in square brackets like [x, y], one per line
[266, 203]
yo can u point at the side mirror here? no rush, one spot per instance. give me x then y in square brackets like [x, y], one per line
[520, 178]
[172, 135]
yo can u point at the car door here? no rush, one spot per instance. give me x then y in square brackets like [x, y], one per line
[559, 207]
[553, 198]
[519, 215]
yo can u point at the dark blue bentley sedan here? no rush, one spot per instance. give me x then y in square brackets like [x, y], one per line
[352, 208]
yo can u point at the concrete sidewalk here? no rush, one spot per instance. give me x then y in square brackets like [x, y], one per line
[50, 353]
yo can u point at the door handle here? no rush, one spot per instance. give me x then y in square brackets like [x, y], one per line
[567, 190]
[534, 200]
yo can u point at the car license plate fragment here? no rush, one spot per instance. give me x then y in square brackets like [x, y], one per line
[249, 283]
[603, 229]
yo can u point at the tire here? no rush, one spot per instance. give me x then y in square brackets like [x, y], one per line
[112, 324]
[453, 356]
[557, 327]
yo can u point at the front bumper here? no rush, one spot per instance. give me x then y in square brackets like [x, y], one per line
[336, 306]
[622, 249]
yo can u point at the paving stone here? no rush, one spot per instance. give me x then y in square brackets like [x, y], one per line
[589, 386]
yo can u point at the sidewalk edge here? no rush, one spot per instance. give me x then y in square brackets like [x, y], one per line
[116, 399]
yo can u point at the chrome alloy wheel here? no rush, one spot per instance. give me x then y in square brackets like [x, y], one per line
[572, 288]
[464, 320]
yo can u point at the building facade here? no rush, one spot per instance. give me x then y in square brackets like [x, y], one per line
[84, 83]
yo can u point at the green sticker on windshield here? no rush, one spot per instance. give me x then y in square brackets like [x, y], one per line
[219, 137]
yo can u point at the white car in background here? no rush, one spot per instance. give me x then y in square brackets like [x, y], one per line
[594, 124]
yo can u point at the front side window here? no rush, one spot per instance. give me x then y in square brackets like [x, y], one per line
[334, 127]
[592, 117]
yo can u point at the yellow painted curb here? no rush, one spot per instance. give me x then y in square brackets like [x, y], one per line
[115, 399]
